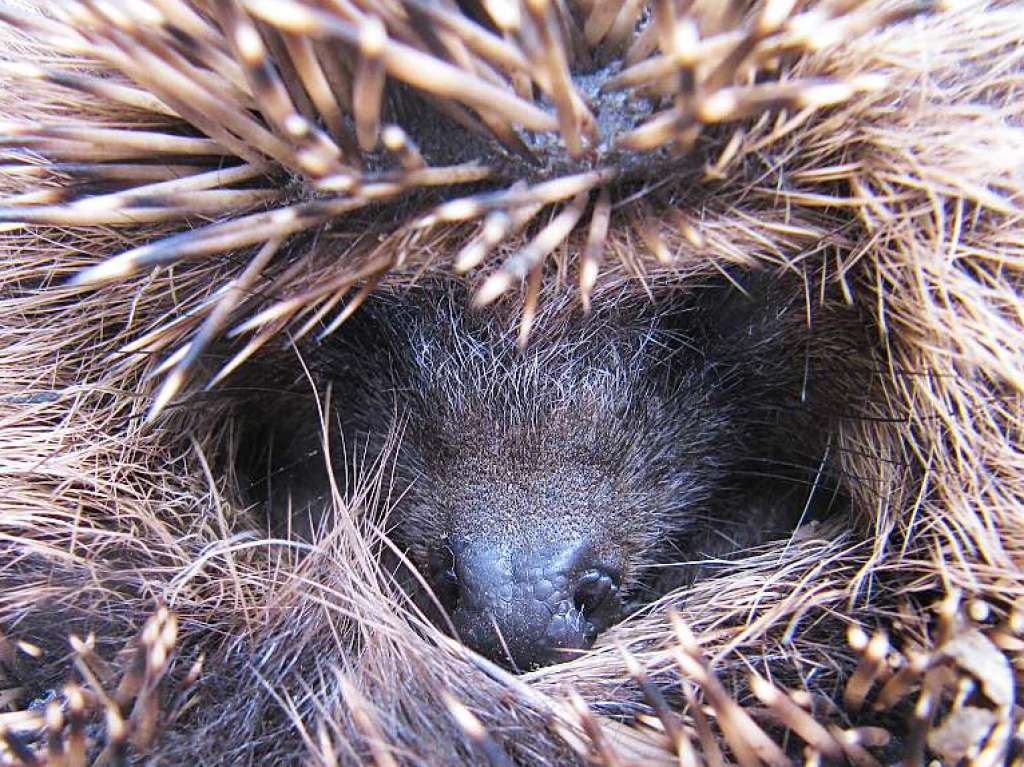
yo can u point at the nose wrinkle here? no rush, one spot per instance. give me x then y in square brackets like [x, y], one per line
[526, 608]
[516, 621]
[493, 582]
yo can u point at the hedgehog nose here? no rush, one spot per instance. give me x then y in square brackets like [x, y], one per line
[531, 608]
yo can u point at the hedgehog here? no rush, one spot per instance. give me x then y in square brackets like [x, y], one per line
[215, 542]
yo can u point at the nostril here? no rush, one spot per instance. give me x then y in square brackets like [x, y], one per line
[593, 590]
[445, 578]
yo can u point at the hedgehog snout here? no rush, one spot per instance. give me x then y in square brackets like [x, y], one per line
[528, 608]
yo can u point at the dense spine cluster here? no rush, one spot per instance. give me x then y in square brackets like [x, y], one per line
[299, 114]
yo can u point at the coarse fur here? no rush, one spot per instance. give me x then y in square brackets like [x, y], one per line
[905, 201]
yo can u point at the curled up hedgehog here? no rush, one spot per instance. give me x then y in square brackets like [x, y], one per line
[511, 382]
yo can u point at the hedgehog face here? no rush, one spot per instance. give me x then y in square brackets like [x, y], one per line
[533, 532]
[537, 487]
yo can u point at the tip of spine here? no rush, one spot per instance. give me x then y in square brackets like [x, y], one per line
[107, 271]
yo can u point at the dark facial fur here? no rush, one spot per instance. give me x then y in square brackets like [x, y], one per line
[537, 490]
